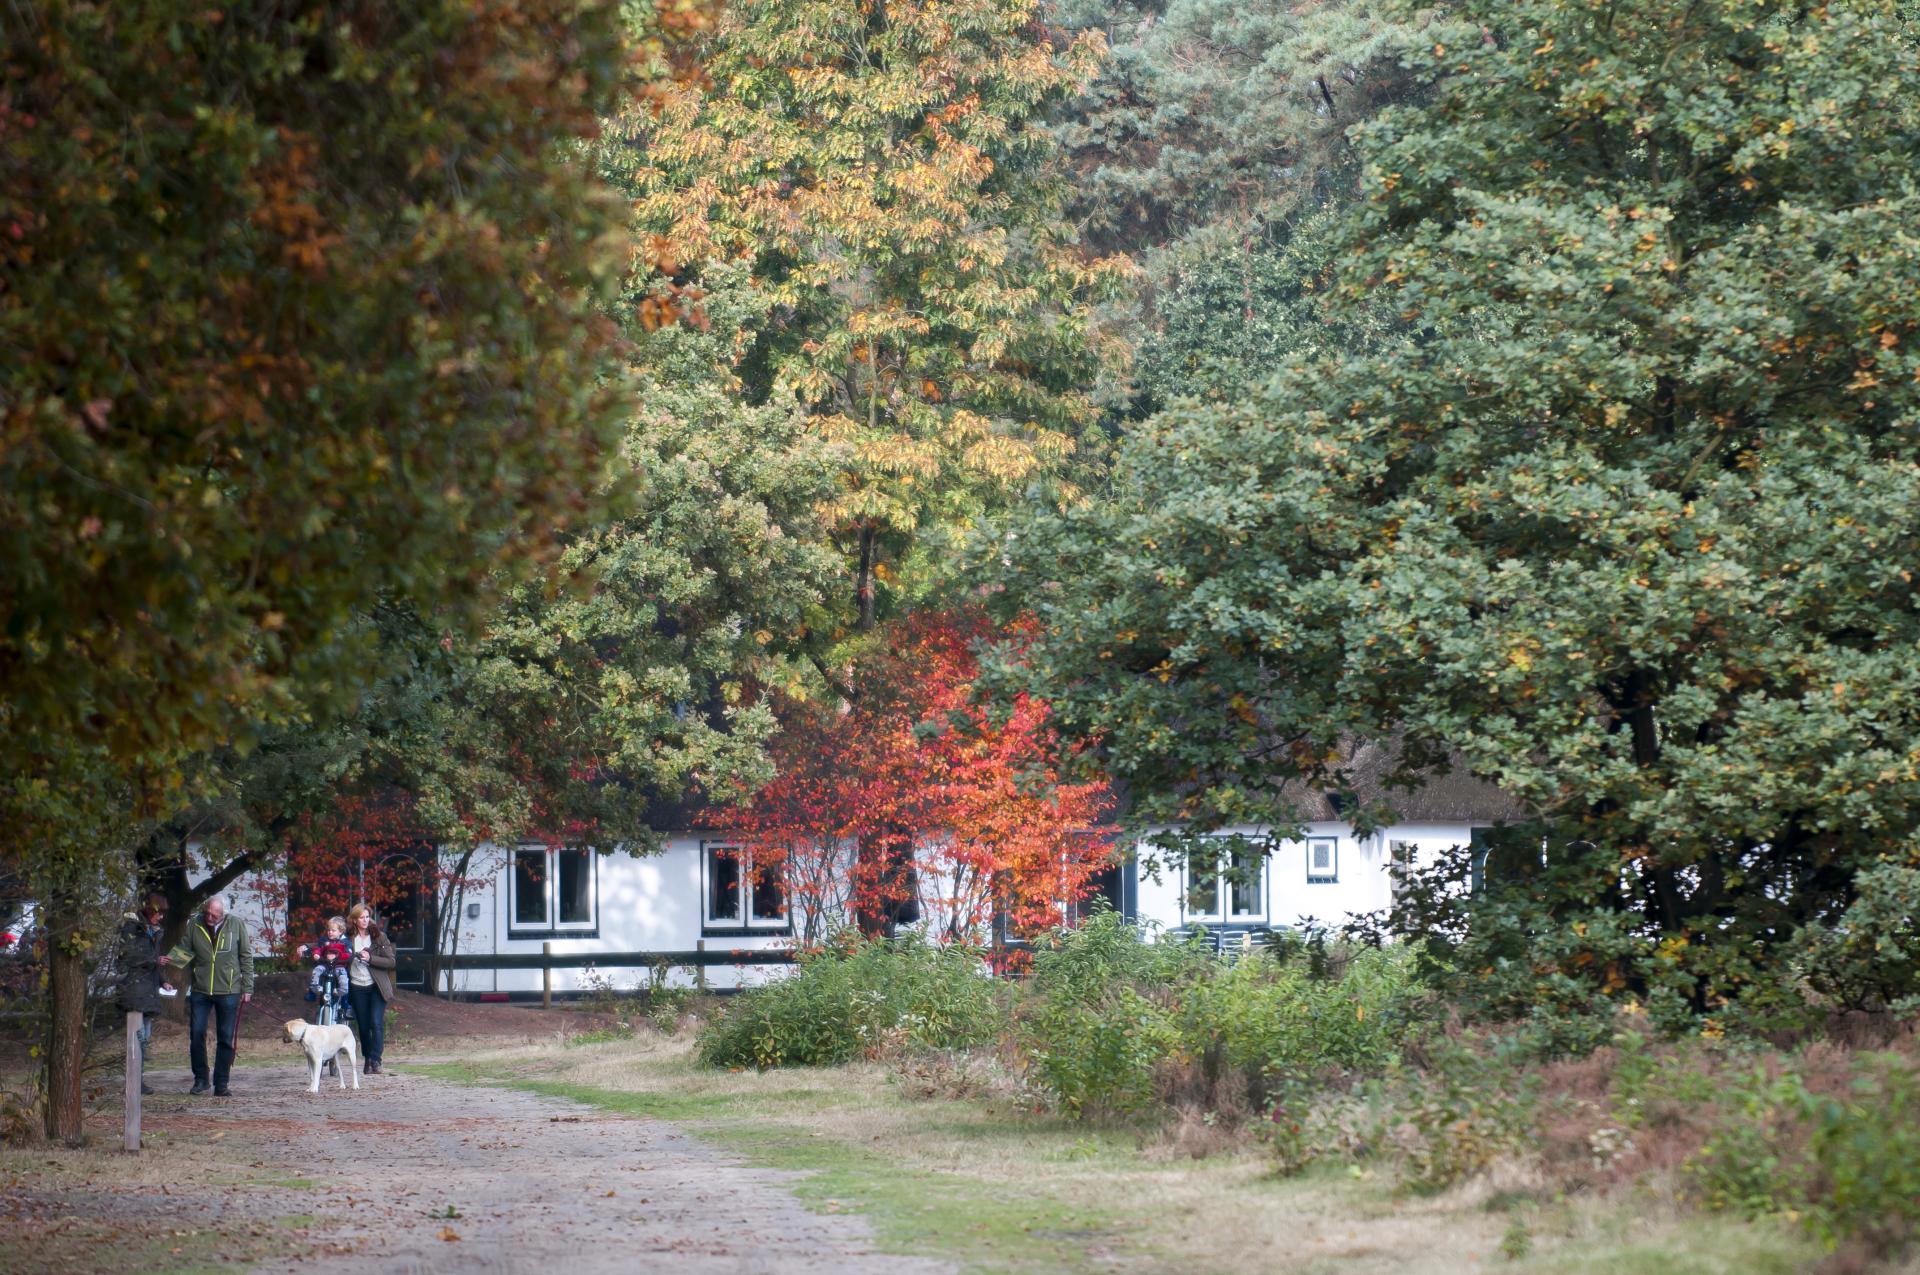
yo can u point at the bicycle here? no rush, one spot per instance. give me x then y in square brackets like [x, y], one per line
[334, 1009]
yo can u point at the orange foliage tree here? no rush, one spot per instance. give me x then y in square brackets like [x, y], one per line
[960, 816]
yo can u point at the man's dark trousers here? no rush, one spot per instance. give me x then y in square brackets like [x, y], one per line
[225, 1011]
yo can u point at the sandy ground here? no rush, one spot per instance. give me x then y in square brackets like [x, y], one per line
[413, 1174]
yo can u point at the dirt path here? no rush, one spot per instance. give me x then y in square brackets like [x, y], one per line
[535, 1185]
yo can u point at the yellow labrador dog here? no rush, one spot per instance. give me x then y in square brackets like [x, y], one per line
[323, 1043]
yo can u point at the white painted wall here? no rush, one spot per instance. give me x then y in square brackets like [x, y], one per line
[643, 903]
[255, 898]
[656, 903]
[1286, 896]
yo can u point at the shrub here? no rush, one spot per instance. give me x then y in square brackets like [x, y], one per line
[1099, 1053]
[1098, 1022]
[1272, 1016]
[1846, 1165]
[1116, 1021]
[1465, 1112]
[857, 999]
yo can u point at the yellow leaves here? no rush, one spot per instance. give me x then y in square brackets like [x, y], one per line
[1545, 47]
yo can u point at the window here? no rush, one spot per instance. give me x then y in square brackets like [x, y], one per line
[553, 891]
[739, 899]
[1203, 887]
[1229, 886]
[406, 901]
[530, 889]
[573, 887]
[1323, 859]
[1400, 866]
[1477, 848]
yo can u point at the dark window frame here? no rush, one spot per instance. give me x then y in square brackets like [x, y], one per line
[743, 924]
[1225, 887]
[552, 927]
[1332, 875]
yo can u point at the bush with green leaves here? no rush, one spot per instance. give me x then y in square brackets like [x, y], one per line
[1845, 1165]
[1277, 1016]
[857, 999]
[1114, 1018]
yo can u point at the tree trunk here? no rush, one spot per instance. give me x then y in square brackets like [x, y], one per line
[447, 901]
[863, 581]
[67, 1022]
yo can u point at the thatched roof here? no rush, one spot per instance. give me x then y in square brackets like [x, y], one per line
[1455, 797]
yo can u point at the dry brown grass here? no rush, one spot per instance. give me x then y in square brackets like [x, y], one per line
[1198, 1197]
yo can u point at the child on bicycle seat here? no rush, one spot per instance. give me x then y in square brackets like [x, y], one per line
[330, 956]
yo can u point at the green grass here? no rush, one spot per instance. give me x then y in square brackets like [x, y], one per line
[994, 1188]
[1013, 1228]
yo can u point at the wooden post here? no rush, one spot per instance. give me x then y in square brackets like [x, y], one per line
[546, 975]
[700, 970]
[132, 1140]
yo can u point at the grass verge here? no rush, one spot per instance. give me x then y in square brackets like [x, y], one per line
[995, 1189]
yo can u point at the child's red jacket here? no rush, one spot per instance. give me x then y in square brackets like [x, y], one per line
[330, 952]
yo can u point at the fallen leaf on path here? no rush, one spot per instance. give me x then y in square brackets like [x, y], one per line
[608, 1196]
[448, 1234]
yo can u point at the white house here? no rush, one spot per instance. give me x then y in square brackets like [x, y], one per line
[579, 917]
[592, 916]
[689, 906]
[1327, 874]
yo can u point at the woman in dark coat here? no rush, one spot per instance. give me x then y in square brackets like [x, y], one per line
[140, 953]
[369, 983]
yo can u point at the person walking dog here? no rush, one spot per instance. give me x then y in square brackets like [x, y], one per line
[140, 954]
[217, 957]
[369, 983]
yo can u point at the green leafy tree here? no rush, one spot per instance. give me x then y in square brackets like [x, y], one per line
[596, 697]
[1213, 147]
[1627, 530]
[298, 307]
[884, 171]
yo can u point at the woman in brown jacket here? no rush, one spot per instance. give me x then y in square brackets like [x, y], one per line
[369, 982]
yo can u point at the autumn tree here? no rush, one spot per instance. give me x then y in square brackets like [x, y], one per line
[595, 695]
[299, 306]
[1625, 527]
[1214, 148]
[978, 803]
[884, 172]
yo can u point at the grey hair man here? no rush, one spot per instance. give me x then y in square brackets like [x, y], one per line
[216, 956]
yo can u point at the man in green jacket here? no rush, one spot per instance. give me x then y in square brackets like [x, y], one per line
[217, 958]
